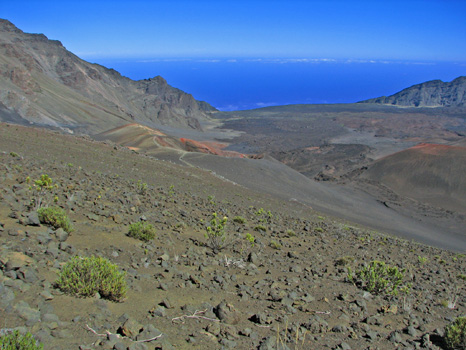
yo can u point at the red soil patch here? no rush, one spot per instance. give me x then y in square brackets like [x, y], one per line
[209, 147]
[436, 149]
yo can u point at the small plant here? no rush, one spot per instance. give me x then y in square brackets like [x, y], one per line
[215, 233]
[18, 341]
[378, 278]
[43, 188]
[266, 217]
[55, 217]
[142, 231]
[250, 238]
[14, 154]
[141, 187]
[83, 276]
[344, 261]
[259, 228]
[211, 199]
[290, 233]
[239, 220]
[275, 245]
[171, 191]
[422, 260]
[455, 334]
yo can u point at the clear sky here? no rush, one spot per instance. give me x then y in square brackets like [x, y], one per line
[376, 29]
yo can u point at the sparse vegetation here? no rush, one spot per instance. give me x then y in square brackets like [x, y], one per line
[422, 260]
[215, 233]
[344, 261]
[259, 228]
[43, 188]
[142, 187]
[290, 233]
[455, 334]
[17, 341]
[239, 220]
[84, 276]
[378, 278]
[275, 245]
[142, 231]
[55, 217]
[250, 238]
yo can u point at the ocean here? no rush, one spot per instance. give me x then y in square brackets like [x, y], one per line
[246, 83]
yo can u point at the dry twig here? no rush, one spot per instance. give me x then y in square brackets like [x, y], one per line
[195, 315]
[107, 333]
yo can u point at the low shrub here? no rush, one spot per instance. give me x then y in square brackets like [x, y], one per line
[250, 238]
[344, 261]
[83, 276]
[275, 245]
[239, 220]
[215, 233]
[142, 231]
[55, 217]
[378, 278]
[18, 341]
[260, 228]
[455, 334]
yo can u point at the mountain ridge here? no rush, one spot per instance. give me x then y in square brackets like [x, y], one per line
[433, 93]
[37, 73]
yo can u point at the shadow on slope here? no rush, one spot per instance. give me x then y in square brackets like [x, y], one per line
[427, 172]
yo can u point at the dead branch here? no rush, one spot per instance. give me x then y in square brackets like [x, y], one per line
[195, 315]
[119, 336]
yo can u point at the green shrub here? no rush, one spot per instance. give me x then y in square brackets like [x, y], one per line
[142, 187]
[55, 217]
[275, 245]
[250, 238]
[259, 228]
[83, 276]
[141, 230]
[18, 341]
[215, 233]
[378, 278]
[455, 334]
[239, 220]
[43, 189]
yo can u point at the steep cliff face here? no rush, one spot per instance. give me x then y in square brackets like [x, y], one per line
[45, 84]
[435, 93]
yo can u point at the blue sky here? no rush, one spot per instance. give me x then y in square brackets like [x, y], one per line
[425, 30]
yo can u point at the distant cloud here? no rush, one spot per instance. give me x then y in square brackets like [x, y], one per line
[265, 104]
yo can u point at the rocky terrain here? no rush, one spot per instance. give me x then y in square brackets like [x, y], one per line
[44, 84]
[289, 290]
[434, 93]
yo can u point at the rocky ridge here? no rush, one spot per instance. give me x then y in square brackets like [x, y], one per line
[288, 291]
[44, 84]
[434, 93]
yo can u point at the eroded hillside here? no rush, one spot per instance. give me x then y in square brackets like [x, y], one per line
[44, 84]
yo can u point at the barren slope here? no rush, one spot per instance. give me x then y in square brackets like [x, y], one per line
[427, 172]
